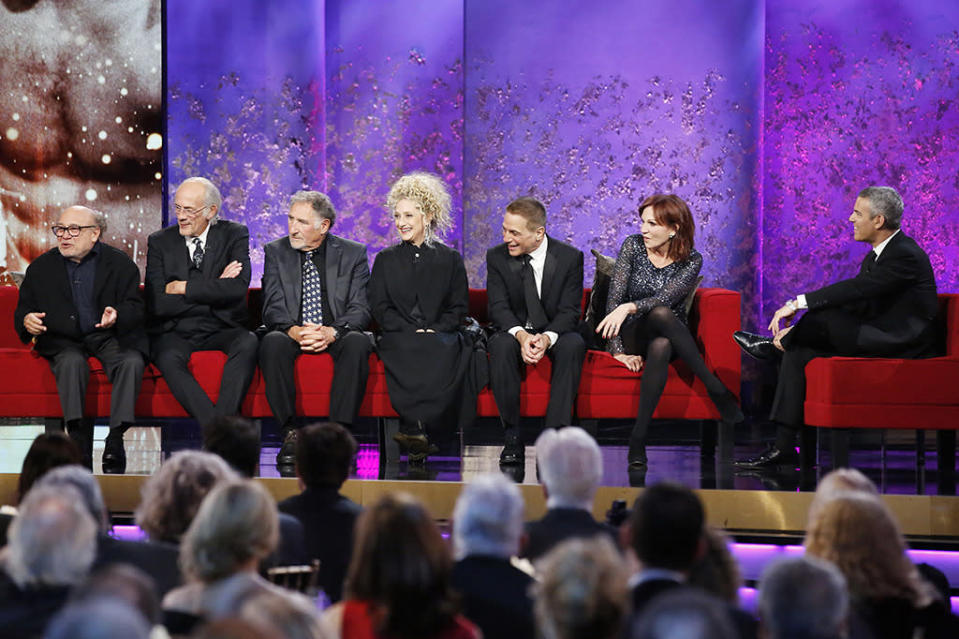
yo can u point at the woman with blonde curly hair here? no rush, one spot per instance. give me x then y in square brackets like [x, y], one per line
[419, 297]
[857, 533]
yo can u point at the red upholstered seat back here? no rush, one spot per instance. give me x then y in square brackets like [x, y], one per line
[949, 322]
[8, 304]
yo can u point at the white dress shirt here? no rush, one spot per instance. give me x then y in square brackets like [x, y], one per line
[189, 241]
[537, 259]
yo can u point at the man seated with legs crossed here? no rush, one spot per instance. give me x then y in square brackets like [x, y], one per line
[314, 301]
[535, 292]
[887, 310]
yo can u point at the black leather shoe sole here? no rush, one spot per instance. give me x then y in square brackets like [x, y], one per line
[757, 346]
[770, 458]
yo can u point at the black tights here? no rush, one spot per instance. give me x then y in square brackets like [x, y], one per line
[661, 334]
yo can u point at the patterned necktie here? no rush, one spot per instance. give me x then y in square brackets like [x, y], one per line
[312, 306]
[197, 253]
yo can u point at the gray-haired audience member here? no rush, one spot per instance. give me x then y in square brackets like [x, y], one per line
[570, 469]
[50, 548]
[803, 598]
[683, 615]
[487, 529]
[582, 592]
[104, 618]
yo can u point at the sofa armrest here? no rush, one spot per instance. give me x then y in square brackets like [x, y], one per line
[714, 318]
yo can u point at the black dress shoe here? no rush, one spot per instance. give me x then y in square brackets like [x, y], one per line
[114, 461]
[287, 454]
[757, 346]
[514, 453]
[772, 456]
[417, 447]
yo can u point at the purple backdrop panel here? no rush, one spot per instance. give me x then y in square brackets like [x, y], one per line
[394, 103]
[246, 109]
[857, 93]
[590, 110]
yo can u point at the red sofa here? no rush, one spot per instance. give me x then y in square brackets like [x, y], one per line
[607, 390]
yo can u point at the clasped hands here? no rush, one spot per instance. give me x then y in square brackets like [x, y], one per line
[231, 270]
[532, 346]
[609, 328]
[313, 338]
[784, 314]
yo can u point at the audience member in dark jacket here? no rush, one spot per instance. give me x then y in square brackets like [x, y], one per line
[324, 456]
[570, 469]
[487, 527]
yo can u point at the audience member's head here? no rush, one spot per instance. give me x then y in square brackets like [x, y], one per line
[857, 533]
[401, 566]
[324, 455]
[488, 518]
[803, 598]
[716, 571]
[172, 496]
[282, 616]
[236, 527]
[47, 451]
[841, 480]
[582, 592]
[105, 618]
[125, 582]
[683, 615]
[52, 540]
[570, 467]
[666, 527]
[235, 439]
[86, 485]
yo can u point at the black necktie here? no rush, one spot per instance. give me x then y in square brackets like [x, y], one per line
[197, 253]
[869, 262]
[535, 315]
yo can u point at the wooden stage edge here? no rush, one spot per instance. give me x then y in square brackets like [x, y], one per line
[743, 511]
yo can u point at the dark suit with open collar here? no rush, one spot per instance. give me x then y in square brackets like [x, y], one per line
[561, 295]
[210, 316]
[887, 310]
[120, 348]
[344, 283]
[559, 524]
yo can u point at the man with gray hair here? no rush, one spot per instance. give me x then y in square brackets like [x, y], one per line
[803, 598]
[50, 549]
[197, 278]
[487, 529]
[570, 469]
[81, 299]
[887, 310]
[314, 301]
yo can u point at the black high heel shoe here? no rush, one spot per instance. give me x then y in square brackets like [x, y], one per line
[636, 457]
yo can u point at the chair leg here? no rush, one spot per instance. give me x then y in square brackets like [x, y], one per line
[840, 447]
[946, 461]
[389, 449]
[708, 434]
[920, 462]
[808, 448]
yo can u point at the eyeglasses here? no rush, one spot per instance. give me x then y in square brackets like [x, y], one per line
[187, 211]
[73, 230]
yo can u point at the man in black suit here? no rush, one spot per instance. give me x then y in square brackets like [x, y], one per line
[887, 310]
[314, 301]
[535, 291]
[81, 299]
[198, 273]
[487, 529]
[570, 469]
[324, 456]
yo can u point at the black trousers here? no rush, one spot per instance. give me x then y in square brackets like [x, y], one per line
[507, 369]
[351, 367]
[171, 354]
[124, 369]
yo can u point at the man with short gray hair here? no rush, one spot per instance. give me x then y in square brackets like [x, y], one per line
[570, 469]
[314, 301]
[803, 598]
[81, 299]
[887, 310]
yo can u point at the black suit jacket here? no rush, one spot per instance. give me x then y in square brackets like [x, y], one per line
[328, 519]
[643, 593]
[347, 274]
[560, 524]
[438, 284]
[157, 559]
[561, 292]
[207, 295]
[46, 288]
[25, 614]
[894, 298]
[495, 596]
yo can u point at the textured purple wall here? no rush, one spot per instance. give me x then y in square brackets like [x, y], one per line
[857, 93]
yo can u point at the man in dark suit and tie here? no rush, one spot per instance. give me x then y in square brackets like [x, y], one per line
[535, 291]
[314, 301]
[81, 299]
[887, 310]
[198, 273]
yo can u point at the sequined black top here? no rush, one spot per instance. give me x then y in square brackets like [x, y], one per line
[636, 280]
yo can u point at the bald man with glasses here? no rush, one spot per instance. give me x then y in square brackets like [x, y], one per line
[81, 299]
